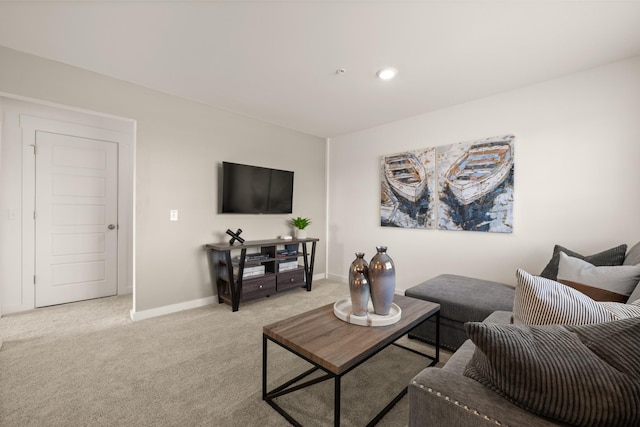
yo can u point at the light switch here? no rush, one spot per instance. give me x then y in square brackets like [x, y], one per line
[173, 215]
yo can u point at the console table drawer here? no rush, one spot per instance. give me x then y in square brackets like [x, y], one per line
[258, 287]
[291, 279]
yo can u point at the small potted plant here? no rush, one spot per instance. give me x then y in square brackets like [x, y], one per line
[300, 224]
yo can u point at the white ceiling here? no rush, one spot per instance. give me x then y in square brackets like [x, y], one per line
[277, 60]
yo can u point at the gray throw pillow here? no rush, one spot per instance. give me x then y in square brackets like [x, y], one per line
[633, 256]
[613, 256]
[585, 375]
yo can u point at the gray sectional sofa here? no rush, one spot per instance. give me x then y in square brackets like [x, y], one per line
[445, 396]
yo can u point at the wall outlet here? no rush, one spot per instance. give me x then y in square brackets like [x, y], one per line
[173, 215]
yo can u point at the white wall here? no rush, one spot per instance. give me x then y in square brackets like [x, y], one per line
[180, 145]
[576, 178]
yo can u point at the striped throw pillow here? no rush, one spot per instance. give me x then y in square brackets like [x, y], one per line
[540, 301]
[579, 375]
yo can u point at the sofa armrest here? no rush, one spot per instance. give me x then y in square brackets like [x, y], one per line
[442, 398]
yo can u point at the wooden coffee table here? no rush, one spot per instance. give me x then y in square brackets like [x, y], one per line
[336, 347]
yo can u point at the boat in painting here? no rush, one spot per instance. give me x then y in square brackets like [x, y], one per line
[406, 175]
[480, 170]
[388, 202]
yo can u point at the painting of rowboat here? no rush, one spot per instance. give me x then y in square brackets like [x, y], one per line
[475, 185]
[406, 175]
[407, 190]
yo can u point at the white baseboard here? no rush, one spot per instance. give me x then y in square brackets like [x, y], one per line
[173, 308]
[187, 305]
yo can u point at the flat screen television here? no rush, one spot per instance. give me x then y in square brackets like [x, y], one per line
[256, 190]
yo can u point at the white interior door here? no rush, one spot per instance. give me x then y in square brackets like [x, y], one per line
[76, 211]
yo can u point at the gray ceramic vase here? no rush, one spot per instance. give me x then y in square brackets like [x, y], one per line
[359, 285]
[382, 281]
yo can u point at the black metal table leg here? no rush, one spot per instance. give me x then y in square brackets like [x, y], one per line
[437, 337]
[264, 367]
[336, 403]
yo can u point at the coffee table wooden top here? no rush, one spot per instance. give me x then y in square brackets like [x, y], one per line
[337, 346]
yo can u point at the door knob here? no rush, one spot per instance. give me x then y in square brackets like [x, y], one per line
[111, 227]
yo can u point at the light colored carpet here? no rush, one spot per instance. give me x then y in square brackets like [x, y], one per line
[87, 364]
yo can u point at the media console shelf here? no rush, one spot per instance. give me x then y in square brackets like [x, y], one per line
[277, 268]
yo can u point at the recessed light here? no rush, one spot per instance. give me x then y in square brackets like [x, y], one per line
[387, 73]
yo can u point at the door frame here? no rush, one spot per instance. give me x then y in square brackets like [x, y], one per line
[126, 194]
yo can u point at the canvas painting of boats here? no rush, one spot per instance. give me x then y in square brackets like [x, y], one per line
[475, 185]
[407, 190]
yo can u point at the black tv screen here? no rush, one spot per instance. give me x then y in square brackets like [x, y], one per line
[256, 190]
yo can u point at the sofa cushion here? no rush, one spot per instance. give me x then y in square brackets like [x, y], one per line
[459, 360]
[499, 316]
[581, 375]
[540, 301]
[613, 256]
[607, 283]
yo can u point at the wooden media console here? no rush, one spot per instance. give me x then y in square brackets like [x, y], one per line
[266, 260]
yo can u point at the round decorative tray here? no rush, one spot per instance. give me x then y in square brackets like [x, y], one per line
[342, 310]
